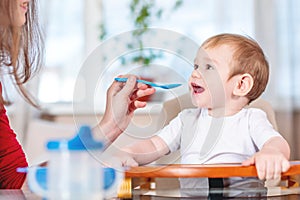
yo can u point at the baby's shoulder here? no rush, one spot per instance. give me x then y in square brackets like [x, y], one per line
[253, 115]
[253, 112]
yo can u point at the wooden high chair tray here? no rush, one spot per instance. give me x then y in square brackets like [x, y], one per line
[210, 171]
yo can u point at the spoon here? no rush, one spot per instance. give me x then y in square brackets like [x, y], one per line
[165, 86]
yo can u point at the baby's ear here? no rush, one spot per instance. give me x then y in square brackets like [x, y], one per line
[243, 85]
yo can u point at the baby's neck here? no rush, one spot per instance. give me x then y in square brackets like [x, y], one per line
[222, 112]
[229, 109]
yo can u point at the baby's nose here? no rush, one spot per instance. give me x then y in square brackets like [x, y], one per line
[196, 74]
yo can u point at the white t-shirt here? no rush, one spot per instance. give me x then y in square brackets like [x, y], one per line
[203, 139]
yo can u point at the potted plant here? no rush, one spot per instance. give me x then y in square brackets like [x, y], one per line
[142, 13]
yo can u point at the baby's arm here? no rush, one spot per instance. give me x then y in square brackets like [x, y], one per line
[144, 152]
[272, 159]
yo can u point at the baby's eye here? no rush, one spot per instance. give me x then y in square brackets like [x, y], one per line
[209, 67]
[196, 66]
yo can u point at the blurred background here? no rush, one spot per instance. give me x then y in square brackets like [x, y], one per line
[74, 28]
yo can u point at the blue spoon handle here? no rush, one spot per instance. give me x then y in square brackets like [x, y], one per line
[138, 80]
[167, 86]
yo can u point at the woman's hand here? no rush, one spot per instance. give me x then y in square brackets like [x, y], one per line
[122, 101]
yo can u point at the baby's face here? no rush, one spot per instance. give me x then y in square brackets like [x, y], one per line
[208, 83]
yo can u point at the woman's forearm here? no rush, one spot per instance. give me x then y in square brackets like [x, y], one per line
[107, 132]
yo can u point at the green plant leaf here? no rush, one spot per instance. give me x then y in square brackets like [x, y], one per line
[142, 12]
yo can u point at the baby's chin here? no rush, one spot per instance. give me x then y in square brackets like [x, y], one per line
[199, 104]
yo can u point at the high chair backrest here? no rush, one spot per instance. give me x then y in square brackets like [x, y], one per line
[172, 107]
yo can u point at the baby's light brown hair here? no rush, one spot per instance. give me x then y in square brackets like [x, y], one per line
[248, 57]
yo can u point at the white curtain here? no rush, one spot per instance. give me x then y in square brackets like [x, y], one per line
[277, 28]
[288, 74]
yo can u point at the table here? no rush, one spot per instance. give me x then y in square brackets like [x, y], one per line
[18, 195]
[144, 191]
[144, 195]
[138, 194]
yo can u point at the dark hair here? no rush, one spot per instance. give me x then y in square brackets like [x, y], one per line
[248, 57]
[21, 47]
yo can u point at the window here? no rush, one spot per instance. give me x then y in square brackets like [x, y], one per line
[63, 24]
[288, 82]
[68, 33]
[196, 20]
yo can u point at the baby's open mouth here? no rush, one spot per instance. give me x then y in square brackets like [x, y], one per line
[197, 88]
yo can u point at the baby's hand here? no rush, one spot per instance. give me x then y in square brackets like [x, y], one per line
[118, 161]
[128, 161]
[269, 162]
[125, 159]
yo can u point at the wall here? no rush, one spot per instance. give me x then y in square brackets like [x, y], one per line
[289, 127]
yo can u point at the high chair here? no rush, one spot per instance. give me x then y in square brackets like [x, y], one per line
[143, 179]
[164, 175]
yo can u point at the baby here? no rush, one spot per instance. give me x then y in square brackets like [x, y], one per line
[229, 72]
